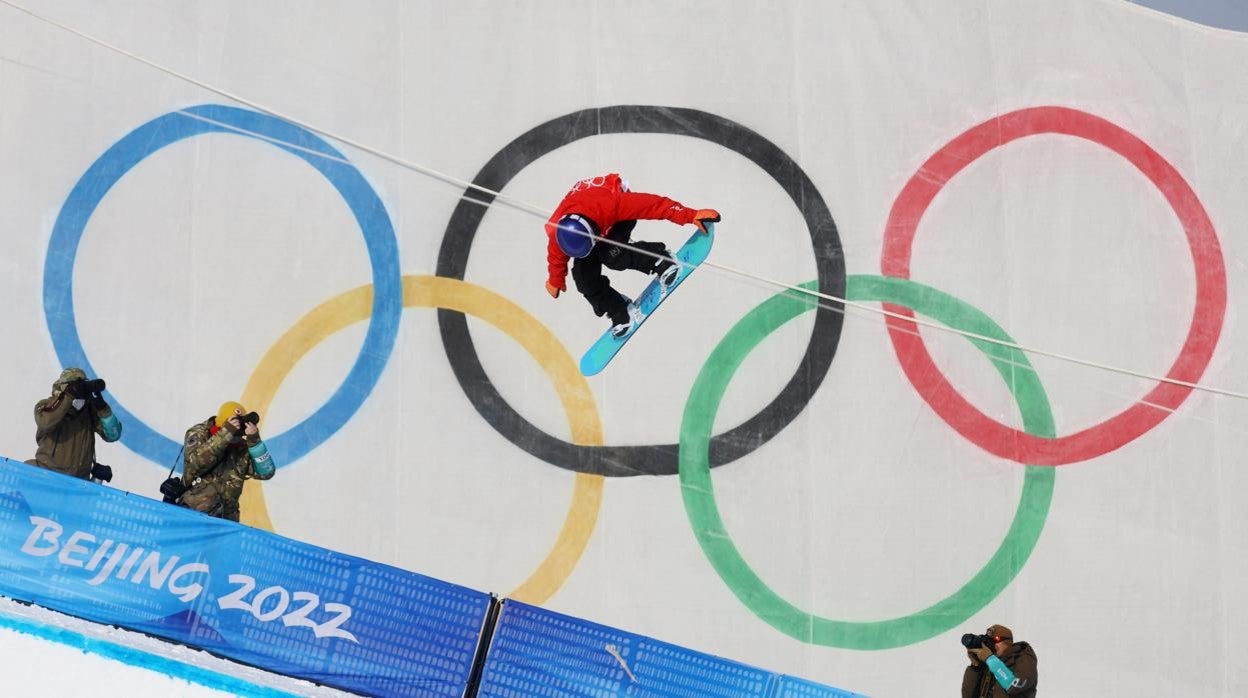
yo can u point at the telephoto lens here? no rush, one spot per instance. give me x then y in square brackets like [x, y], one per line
[971, 641]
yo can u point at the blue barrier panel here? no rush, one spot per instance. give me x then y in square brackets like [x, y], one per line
[535, 652]
[243, 593]
[792, 687]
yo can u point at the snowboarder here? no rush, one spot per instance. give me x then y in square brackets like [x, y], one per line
[603, 207]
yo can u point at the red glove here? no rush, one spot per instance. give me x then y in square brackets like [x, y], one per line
[553, 290]
[704, 216]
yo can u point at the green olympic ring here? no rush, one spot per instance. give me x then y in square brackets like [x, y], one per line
[699, 495]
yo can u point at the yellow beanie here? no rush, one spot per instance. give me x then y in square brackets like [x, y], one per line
[227, 411]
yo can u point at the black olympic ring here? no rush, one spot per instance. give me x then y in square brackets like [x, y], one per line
[623, 461]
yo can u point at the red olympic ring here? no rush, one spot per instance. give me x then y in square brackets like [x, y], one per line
[1202, 336]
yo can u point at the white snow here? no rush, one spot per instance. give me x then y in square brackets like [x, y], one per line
[45, 656]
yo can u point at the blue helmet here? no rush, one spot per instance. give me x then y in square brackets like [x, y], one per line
[575, 235]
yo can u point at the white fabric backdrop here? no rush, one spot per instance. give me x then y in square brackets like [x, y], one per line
[868, 506]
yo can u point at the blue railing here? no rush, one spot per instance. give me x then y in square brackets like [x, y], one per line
[261, 599]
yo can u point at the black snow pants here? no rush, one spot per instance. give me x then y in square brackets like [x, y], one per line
[594, 285]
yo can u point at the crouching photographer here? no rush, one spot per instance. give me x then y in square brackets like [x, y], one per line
[67, 422]
[999, 666]
[220, 454]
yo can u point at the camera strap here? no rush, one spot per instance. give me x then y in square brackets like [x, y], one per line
[175, 462]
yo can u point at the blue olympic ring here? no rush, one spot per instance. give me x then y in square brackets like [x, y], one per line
[365, 204]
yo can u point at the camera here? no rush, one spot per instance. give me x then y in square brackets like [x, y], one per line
[101, 472]
[172, 489]
[972, 641]
[245, 419]
[83, 389]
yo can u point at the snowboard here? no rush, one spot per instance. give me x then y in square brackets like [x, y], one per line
[694, 251]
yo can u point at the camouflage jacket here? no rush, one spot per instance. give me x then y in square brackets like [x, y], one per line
[65, 436]
[215, 469]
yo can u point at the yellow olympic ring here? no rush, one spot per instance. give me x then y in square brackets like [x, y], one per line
[438, 292]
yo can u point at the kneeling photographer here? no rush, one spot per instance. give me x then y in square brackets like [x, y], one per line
[220, 454]
[66, 424]
[999, 666]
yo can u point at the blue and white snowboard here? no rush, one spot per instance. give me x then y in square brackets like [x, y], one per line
[690, 255]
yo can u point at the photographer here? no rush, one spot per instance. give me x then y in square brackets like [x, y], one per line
[220, 454]
[66, 424]
[999, 666]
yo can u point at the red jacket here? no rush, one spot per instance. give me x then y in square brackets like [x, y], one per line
[605, 201]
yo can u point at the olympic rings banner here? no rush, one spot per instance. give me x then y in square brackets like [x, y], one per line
[241, 593]
[822, 491]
